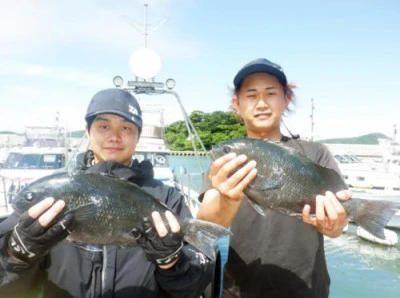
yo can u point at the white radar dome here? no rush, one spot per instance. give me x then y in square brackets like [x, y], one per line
[145, 63]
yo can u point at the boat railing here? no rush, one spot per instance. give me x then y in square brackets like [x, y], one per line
[3, 198]
[138, 87]
[184, 181]
[8, 189]
[190, 186]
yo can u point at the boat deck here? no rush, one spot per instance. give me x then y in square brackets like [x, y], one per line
[4, 213]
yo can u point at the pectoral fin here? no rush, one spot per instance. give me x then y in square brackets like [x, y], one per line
[257, 208]
[84, 212]
[261, 183]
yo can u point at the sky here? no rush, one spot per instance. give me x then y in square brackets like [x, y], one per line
[343, 55]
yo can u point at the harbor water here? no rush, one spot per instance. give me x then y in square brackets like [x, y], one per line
[357, 268]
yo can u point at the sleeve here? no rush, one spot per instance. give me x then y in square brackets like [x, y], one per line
[206, 185]
[326, 158]
[317, 152]
[16, 277]
[193, 271]
[190, 276]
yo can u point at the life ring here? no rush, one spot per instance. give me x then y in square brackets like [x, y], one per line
[160, 159]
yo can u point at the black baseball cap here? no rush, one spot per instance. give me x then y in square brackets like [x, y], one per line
[260, 65]
[115, 101]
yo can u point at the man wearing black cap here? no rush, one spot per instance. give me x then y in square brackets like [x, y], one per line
[273, 255]
[34, 257]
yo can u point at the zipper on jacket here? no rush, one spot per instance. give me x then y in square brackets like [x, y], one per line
[103, 272]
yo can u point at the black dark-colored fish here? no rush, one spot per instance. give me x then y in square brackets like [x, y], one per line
[106, 208]
[286, 181]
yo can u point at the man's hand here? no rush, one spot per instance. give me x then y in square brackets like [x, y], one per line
[221, 202]
[160, 244]
[37, 230]
[229, 183]
[330, 217]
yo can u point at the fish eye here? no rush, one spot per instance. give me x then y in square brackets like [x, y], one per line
[227, 149]
[29, 196]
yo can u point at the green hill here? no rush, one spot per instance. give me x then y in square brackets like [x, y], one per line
[8, 132]
[369, 139]
[77, 133]
[74, 134]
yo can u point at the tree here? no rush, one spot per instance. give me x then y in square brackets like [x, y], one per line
[212, 128]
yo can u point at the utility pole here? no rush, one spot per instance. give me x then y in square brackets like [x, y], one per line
[312, 119]
[395, 131]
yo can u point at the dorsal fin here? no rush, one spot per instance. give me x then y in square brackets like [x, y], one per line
[282, 145]
[291, 150]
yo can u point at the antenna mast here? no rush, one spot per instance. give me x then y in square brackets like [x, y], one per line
[146, 6]
[143, 28]
[312, 119]
[144, 62]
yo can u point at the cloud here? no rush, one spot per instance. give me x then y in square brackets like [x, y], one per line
[29, 103]
[45, 45]
[27, 28]
[76, 76]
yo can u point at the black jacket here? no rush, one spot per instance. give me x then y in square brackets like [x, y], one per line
[70, 270]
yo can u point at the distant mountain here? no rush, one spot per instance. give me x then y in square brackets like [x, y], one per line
[8, 132]
[369, 139]
[74, 134]
[77, 133]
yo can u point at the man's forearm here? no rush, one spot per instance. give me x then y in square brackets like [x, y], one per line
[218, 209]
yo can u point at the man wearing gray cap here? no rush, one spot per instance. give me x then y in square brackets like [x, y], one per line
[273, 255]
[35, 257]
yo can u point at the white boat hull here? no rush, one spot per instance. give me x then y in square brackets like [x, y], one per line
[391, 238]
[395, 221]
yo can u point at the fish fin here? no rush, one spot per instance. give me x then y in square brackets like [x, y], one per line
[263, 183]
[372, 215]
[203, 235]
[257, 207]
[282, 145]
[84, 212]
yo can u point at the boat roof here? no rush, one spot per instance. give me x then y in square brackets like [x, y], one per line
[38, 150]
[151, 145]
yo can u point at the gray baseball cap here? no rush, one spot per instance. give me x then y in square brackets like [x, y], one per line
[115, 101]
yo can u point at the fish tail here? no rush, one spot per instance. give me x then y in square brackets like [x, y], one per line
[372, 215]
[204, 235]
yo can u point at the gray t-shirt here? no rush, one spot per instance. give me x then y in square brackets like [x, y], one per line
[277, 255]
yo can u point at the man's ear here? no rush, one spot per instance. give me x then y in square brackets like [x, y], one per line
[287, 101]
[235, 103]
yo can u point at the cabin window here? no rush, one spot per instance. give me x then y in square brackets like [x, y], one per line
[35, 161]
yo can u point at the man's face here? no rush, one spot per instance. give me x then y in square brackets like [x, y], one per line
[112, 137]
[261, 102]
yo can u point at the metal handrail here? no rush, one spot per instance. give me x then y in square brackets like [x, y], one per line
[151, 88]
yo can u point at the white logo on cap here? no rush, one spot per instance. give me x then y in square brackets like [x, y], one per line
[133, 110]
